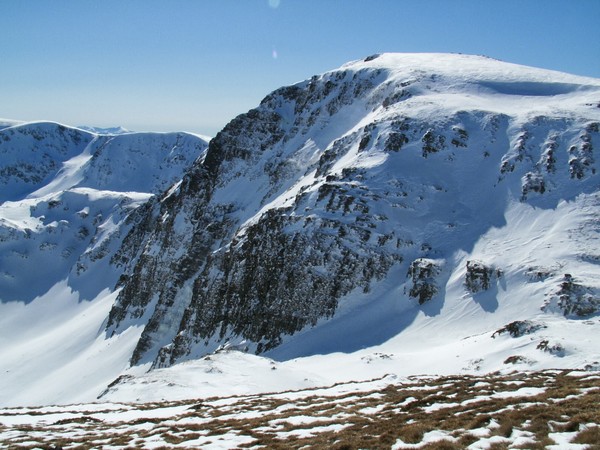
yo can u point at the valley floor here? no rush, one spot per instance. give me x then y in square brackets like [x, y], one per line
[555, 409]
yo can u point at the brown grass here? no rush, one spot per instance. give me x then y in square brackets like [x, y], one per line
[564, 405]
[413, 433]
[590, 436]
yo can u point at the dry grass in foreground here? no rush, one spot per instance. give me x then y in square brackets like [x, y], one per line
[531, 410]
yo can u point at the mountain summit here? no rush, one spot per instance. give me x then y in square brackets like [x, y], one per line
[435, 212]
[348, 207]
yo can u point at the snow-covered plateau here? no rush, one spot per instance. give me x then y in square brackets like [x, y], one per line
[405, 214]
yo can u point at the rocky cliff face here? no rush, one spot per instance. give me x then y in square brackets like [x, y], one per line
[378, 176]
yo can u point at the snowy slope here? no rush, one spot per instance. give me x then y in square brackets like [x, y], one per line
[408, 213]
[65, 204]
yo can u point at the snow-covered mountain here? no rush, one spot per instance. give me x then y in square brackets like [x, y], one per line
[65, 199]
[417, 212]
[346, 207]
[65, 194]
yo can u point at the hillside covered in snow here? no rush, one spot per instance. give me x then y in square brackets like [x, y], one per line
[406, 213]
[65, 198]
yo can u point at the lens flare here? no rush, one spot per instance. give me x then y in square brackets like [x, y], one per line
[274, 54]
[274, 3]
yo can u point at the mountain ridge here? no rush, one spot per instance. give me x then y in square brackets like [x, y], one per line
[406, 212]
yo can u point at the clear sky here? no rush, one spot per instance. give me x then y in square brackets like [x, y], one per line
[195, 64]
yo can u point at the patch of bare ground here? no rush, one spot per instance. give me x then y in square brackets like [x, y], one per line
[520, 410]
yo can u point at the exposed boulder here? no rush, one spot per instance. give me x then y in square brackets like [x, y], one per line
[518, 359]
[479, 276]
[532, 182]
[573, 300]
[519, 328]
[554, 349]
[423, 273]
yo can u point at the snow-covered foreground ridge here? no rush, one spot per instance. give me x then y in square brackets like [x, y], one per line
[408, 213]
[550, 409]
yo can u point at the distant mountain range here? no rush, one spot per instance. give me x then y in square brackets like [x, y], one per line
[406, 213]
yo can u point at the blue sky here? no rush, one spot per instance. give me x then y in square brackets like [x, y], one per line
[195, 64]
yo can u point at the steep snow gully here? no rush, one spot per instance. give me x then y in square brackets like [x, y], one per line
[404, 214]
